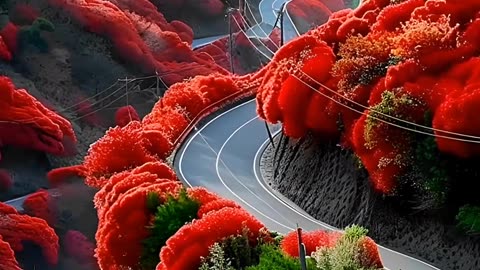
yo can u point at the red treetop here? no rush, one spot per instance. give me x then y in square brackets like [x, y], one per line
[184, 249]
[7, 257]
[40, 204]
[77, 246]
[16, 228]
[129, 218]
[311, 239]
[142, 36]
[121, 149]
[25, 122]
[125, 115]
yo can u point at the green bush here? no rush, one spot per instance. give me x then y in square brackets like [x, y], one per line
[32, 34]
[468, 219]
[169, 218]
[435, 176]
[344, 256]
[271, 257]
[236, 250]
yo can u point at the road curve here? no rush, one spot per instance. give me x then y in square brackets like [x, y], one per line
[223, 156]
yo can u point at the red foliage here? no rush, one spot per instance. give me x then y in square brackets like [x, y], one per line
[186, 96]
[127, 217]
[16, 229]
[5, 53]
[216, 88]
[370, 257]
[26, 123]
[368, 253]
[142, 36]
[121, 149]
[6, 181]
[429, 45]
[380, 161]
[157, 141]
[7, 257]
[195, 95]
[184, 249]
[459, 115]
[399, 74]
[460, 13]
[162, 127]
[392, 16]
[9, 34]
[202, 195]
[182, 104]
[128, 183]
[282, 96]
[312, 241]
[183, 30]
[286, 63]
[40, 204]
[78, 247]
[86, 112]
[215, 206]
[125, 115]
[294, 93]
[118, 184]
[58, 176]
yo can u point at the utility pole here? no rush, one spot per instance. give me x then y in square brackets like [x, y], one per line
[157, 89]
[242, 7]
[282, 11]
[230, 37]
[301, 249]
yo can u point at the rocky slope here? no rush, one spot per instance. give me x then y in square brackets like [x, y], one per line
[325, 181]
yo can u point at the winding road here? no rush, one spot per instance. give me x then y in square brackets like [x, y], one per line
[224, 156]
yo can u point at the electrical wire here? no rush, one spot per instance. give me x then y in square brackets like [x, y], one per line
[477, 138]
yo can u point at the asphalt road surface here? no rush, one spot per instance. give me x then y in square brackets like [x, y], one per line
[224, 156]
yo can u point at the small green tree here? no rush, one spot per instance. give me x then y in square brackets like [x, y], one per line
[468, 219]
[168, 219]
[32, 34]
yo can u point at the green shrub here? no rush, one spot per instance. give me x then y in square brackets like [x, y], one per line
[153, 202]
[344, 256]
[392, 104]
[236, 250]
[240, 251]
[32, 34]
[42, 24]
[271, 257]
[430, 165]
[435, 176]
[468, 219]
[169, 218]
[216, 260]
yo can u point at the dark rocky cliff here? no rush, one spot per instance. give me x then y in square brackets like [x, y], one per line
[325, 181]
